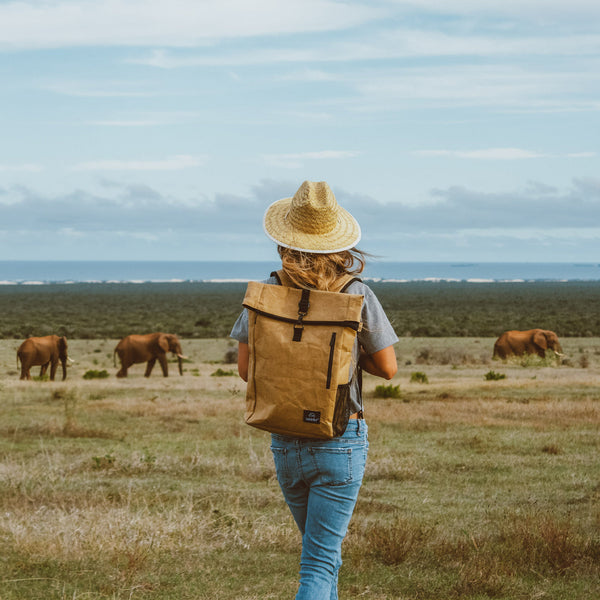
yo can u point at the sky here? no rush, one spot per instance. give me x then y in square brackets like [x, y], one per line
[162, 129]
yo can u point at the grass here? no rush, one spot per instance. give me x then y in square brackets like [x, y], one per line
[155, 488]
[494, 376]
[387, 391]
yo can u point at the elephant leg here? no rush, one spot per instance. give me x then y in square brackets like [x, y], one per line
[53, 368]
[123, 370]
[25, 372]
[149, 367]
[162, 359]
[44, 368]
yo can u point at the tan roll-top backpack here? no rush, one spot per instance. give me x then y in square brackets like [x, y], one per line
[301, 357]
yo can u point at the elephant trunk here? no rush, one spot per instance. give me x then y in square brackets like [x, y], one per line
[180, 361]
[63, 362]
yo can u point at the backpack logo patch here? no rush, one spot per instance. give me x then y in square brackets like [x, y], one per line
[312, 416]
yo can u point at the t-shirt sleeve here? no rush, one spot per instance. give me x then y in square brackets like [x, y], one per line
[239, 330]
[377, 332]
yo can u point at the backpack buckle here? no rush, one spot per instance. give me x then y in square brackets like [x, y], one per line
[298, 329]
[303, 307]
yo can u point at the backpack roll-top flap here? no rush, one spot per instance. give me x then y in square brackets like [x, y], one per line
[281, 302]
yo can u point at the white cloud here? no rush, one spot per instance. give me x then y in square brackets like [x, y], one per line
[526, 221]
[386, 45]
[174, 163]
[124, 123]
[542, 10]
[23, 168]
[484, 154]
[296, 161]
[498, 154]
[178, 23]
[510, 87]
[104, 89]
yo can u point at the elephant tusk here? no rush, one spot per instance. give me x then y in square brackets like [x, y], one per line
[559, 354]
[70, 360]
[182, 357]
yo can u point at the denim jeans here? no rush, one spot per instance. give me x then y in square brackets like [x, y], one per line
[320, 480]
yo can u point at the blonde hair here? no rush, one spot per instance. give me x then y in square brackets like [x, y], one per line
[320, 271]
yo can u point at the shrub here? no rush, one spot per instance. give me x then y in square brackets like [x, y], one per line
[493, 376]
[220, 373]
[419, 377]
[387, 391]
[96, 374]
[231, 356]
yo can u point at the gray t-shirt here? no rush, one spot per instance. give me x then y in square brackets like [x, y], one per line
[376, 334]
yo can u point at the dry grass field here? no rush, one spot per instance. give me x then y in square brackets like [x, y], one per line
[155, 488]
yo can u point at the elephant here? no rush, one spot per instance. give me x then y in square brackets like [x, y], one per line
[533, 341]
[147, 348]
[44, 351]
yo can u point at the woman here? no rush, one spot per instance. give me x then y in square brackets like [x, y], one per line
[320, 479]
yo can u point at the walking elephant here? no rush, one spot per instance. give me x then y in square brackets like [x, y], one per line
[148, 348]
[533, 341]
[43, 351]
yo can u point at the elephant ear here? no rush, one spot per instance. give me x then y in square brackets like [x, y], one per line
[163, 343]
[62, 343]
[539, 339]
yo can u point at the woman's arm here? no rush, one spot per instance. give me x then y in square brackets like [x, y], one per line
[243, 358]
[382, 363]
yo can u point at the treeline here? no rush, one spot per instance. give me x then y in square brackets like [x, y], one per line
[208, 310]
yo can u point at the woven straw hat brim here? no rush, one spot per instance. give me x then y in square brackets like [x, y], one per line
[343, 237]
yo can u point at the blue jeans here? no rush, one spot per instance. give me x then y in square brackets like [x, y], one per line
[320, 480]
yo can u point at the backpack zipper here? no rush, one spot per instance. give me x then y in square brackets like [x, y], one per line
[330, 365]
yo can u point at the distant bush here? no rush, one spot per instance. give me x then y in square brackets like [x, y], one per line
[221, 373]
[231, 356]
[387, 391]
[419, 377]
[209, 309]
[493, 376]
[95, 374]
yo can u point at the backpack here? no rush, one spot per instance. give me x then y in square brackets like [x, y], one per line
[301, 364]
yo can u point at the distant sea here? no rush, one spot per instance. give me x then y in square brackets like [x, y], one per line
[49, 272]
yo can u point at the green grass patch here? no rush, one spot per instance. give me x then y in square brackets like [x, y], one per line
[96, 374]
[387, 391]
[223, 373]
[419, 377]
[494, 376]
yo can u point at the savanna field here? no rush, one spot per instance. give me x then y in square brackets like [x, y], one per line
[483, 478]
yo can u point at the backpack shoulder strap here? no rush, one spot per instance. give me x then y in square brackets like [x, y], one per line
[344, 282]
[283, 278]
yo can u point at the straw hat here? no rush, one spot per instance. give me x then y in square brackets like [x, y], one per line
[312, 221]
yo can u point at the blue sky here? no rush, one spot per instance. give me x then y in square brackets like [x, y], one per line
[465, 130]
